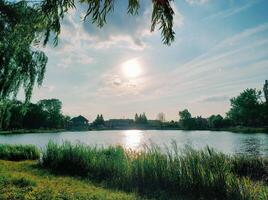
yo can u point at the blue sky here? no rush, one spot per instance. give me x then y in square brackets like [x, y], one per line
[221, 48]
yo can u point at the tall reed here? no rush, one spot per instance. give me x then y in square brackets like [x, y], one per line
[202, 174]
[19, 152]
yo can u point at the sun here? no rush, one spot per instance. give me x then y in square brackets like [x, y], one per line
[132, 68]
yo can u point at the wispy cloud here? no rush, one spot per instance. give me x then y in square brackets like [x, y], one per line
[212, 99]
[233, 10]
[197, 2]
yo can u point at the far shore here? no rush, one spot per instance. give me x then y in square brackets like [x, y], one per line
[230, 129]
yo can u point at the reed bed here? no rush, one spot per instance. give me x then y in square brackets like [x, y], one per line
[19, 152]
[199, 174]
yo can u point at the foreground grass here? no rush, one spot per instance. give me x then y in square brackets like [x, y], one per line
[19, 152]
[199, 174]
[24, 180]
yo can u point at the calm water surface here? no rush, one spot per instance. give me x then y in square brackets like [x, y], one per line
[227, 142]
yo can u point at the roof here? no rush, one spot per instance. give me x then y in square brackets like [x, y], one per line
[80, 118]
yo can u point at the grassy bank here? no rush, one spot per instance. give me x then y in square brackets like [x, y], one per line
[19, 152]
[24, 180]
[199, 174]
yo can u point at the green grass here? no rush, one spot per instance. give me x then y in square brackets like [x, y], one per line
[199, 174]
[24, 180]
[19, 152]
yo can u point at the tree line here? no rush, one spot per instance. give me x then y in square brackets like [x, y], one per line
[45, 114]
[248, 109]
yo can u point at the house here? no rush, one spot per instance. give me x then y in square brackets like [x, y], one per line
[79, 123]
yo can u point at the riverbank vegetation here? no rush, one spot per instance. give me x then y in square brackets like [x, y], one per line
[203, 174]
[81, 172]
[248, 114]
[19, 152]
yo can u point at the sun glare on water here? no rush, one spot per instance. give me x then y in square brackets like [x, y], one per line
[132, 68]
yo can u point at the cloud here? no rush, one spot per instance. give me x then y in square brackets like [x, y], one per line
[48, 88]
[229, 67]
[212, 99]
[197, 2]
[113, 84]
[233, 11]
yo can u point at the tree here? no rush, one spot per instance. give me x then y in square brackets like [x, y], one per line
[17, 113]
[5, 114]
[35, 118]
[246, 108]
[53, 109]
[265, 91]
[141, 119]
[186, 121]
[265, 106]
[161, 117]
[21, 64]
[24, 26]
[185, 114]
[99, 121]
[216, 121]
[136, 118]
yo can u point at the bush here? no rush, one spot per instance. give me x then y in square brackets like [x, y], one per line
[203, 174]
[252, 167]
[19, 152]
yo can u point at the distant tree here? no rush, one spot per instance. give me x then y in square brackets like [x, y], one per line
[265, 91]
[200, 123]
[246, 109]
[5, 114]
[136, 118]
[216, 121]
[161, 117]
[186, 121]
[265, 106]
[144, 119]
[141, 118]
[185, 114]
[53, 109]
[35, 118]
[99, 121]
[45, 114]
[17, 112]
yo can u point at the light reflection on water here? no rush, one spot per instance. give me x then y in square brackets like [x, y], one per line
[226, 142]
[133, 139]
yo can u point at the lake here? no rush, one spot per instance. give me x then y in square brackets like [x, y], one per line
[226, 142]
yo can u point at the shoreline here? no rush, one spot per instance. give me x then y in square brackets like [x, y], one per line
[24, 131]
[249, 130]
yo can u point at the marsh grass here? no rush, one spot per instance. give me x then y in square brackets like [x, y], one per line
[200, 174]
[19, 152]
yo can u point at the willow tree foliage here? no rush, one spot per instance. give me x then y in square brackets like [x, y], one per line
[97, 11]
[21, 63]
[26, 24]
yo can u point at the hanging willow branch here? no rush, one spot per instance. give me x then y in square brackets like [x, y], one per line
[97, 11]
[21, 64]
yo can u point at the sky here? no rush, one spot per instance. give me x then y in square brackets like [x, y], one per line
[221, 48]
